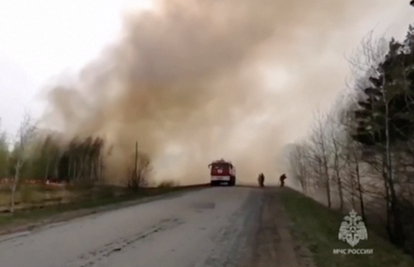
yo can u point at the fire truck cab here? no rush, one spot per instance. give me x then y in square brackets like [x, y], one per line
[222, 171]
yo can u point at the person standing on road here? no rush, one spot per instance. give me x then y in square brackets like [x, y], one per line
[282, 180]
[261, 179]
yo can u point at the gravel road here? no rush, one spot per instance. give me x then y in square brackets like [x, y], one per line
[221, 226]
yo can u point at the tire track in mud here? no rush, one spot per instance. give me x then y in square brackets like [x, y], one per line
[273, 244]
[267, 237]
[92, 258]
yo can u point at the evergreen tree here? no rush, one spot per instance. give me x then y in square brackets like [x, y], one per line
[391, 92]
[386, 118]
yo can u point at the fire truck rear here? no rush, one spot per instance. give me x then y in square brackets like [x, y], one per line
[222, 171]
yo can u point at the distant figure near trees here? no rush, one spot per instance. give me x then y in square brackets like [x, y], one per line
[282, 180]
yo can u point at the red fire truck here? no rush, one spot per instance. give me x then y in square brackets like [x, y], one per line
[222, 171]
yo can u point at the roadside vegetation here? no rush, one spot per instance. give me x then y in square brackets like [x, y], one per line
[360, 155]
[317, 227]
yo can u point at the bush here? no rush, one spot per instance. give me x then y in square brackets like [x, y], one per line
[167, 184]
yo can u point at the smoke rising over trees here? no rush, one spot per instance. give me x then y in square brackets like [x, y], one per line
[189, 76]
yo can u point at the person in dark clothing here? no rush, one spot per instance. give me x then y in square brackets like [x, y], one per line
[261, 179]
[282, 180]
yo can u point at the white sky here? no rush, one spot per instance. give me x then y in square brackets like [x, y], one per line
[42, 38]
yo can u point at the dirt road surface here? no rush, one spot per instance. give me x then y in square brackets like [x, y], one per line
[215, 227]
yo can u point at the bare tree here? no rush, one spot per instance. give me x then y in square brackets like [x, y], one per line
[298, 158]
[338, 163]
[321, 154]
[24, 136]
[354, 173]
[139, 174]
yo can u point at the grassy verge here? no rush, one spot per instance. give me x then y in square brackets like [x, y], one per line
[61, 212]
[317, 227]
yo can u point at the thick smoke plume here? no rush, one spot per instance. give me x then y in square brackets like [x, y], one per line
[188, 79]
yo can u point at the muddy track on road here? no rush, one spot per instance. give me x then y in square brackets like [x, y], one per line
[272, 243]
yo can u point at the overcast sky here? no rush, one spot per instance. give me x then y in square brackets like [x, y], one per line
[42, 38]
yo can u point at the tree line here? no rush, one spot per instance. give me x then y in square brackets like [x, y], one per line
[34, 156]
[360, 154]
[37, 154]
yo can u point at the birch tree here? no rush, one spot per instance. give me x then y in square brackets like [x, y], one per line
[298, 165]
[321, 154]
[24, 136]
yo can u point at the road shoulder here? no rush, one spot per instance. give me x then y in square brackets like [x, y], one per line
[316, 230]
[272, 243]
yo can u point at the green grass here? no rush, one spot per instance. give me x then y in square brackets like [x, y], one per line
[317, 226]
[104, 199]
